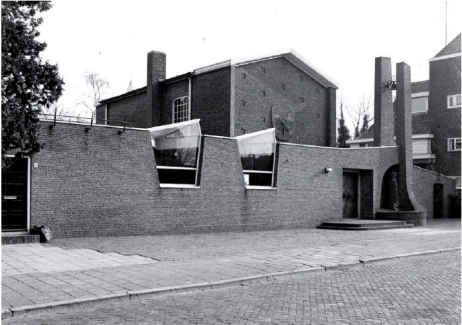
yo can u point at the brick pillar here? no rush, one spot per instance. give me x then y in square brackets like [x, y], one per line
[383, 104]
[157, 66]
[331, 139]
[407, 202]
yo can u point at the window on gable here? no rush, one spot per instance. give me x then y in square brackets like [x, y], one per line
[176, 150]
[419, 104]
[454, 144]
[257, 151]
[181, 109]
[454, 101]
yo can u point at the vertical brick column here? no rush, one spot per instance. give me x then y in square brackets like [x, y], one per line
[331, 117]
[383, 104]
[407, 202]
[157, 66]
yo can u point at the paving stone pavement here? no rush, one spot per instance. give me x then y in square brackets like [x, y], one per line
[413, 290]
[72, 269]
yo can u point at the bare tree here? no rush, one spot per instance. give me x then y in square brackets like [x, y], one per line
[98, 86]
[360, 111]
[61, 113]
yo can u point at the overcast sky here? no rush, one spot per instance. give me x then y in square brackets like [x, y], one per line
[339, 37]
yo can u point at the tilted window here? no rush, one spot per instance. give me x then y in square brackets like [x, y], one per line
[258, 152]
[176, 150]
[181, 109]
[419, 104]
[454, 144]
[454, 101]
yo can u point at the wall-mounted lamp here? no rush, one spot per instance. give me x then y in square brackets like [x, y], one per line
[391, 84]
[328, 170]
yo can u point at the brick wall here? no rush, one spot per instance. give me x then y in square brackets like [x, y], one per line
[423, 190]
[277, 82]
[169, 93]
[444, 123]
[132, 109]
[102, 183]
[211, 101]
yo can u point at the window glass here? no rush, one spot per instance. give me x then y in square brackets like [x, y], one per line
[181, 109]
[176, 150]
[257, 151]
[419, 104]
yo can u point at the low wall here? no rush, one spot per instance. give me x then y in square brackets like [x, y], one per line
[99, 183]
[423, 190]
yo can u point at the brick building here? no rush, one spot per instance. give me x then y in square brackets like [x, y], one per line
[436, 118]
[232, 98]
[101, 180]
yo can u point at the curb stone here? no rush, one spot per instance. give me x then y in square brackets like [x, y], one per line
[144, 293]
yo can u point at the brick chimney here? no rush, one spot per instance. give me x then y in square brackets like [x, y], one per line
[383, 104]
[157, 66]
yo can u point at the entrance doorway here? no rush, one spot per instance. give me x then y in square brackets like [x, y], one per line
[350, 194]
[14, 196]
[438, 201]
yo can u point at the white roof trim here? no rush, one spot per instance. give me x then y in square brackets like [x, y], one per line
[290, 55]
[254, 134]
[174, 125]
[449, 56]
[421, 94]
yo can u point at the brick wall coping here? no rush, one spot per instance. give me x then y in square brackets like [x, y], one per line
[95, 125]
[431, 171]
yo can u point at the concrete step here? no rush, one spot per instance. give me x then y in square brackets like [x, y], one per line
[12, 239]
[356, 224]
[365, 228]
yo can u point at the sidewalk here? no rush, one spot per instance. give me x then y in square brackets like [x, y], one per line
[85, 270]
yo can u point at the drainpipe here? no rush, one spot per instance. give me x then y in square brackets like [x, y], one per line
[189, 98]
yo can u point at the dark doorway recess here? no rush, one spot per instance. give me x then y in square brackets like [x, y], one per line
[350, 194]
[14, 197]
[438, 201]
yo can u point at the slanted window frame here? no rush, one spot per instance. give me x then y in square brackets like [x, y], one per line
[454, 101]
[180, 102]
[420, 96]
[452, 144]
[197, 158]
[251, 171]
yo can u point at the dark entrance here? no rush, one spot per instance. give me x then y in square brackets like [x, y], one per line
[350, 194]
[438, 201]
[14, 197]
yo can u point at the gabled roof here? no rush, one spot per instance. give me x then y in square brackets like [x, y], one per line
[452, 48]
[420, 86]
[420, 125]
[292, 56]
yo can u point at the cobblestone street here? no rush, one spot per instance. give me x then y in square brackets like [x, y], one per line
[413, 290]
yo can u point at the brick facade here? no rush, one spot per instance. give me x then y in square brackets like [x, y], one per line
[101, 183]
[231, 99]
[277, 82]
[445, 123]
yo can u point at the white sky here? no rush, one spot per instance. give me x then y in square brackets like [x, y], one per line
[341, 38]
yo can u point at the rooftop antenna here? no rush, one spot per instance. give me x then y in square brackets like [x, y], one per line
[446, 27]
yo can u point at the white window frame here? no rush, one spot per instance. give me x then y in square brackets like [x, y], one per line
[454, 101]
[421, 95]
[245, 172]
[185, 103]
[452, 144]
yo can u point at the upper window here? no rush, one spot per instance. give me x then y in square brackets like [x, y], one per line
[454, 101]
[181, 109]
[257, 151]
[419, 104]
[176, 150]
[454, 144]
